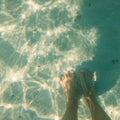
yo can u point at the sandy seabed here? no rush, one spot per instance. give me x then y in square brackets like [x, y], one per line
[42, 39]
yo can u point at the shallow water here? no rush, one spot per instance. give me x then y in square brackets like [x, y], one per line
[42, 39]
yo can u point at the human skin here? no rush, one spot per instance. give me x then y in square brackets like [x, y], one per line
[71, 88]
[96, 110]
[71, 110]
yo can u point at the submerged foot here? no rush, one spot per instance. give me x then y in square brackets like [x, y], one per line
[87, 82]
[86, 79]
[77, 83]
[70, 85]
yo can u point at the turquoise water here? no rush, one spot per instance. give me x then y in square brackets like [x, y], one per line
[41, 39]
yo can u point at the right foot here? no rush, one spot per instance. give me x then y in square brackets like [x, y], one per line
[76, 83]
[86, 82]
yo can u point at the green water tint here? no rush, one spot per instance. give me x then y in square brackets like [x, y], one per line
[39, 40]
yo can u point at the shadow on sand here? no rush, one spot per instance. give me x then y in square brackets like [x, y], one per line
[103, 15]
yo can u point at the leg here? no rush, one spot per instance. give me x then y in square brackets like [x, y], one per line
[96, 110]
[86, 81]
[69, 85]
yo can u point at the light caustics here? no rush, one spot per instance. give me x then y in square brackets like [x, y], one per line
[37, 43]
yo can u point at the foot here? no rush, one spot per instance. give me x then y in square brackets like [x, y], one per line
[70, 85]
[86, 80]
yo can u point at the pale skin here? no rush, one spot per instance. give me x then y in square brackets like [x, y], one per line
[70, 87]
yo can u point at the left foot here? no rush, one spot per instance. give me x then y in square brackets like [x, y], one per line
[76, 83]
[70, 86]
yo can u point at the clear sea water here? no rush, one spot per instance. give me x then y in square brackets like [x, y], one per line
[42, 39]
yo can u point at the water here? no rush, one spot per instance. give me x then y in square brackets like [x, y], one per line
[41, 39]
